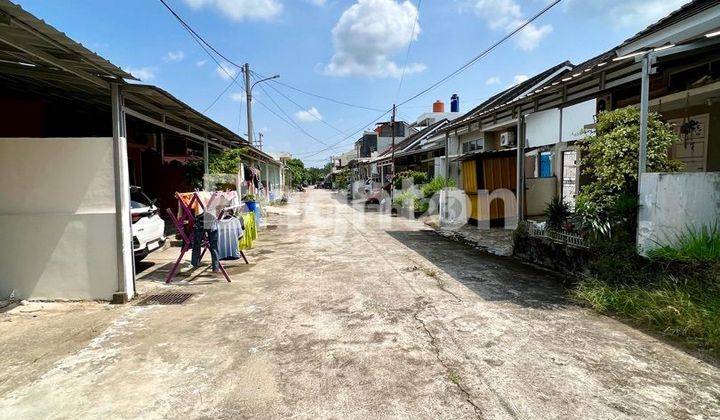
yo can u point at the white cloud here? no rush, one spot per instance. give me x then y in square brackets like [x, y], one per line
[145, 74]
[368, 33]
[239, 10]
[316, 2]
[623, 14]
[174, 56]
[227, 71]
[507, 15]
[311, 115]
[238, 96]
[493, 81]
[200, 63]
[519, 78]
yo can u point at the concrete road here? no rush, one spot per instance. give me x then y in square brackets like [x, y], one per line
[346, 314]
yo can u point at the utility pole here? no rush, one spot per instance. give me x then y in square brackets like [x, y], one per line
[392, 158]
[248, 102]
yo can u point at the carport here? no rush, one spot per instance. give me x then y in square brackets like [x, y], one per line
[73, 134]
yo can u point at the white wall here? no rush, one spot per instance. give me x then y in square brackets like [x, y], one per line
[542, 128]
[669, 203]
[576, 117]
[538, 194]
[57, 213]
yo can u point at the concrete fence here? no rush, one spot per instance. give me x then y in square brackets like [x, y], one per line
[670, 203]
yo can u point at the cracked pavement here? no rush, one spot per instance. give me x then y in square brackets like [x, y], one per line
[346, 314]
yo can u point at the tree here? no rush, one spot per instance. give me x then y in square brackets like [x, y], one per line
[297, 169]
[228, 161]
[609, 155]
[225, 162]
[342, 179]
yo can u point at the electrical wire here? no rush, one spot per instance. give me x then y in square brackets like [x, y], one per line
[335, 145]
[221, 94]
[302, 108]
[195, 34]
[484, 53]
[289, 118]
[464, 66]
[315, 95]
[407, 53]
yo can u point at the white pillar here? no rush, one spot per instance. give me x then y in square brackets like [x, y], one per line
[644, 105]
[206, 158]
[123, 224]
[267, 180]
[520, 182]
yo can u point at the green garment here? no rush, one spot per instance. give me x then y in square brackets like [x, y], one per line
[246, 242]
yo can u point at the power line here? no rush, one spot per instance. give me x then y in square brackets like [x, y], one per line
[232, 82]
[335, 145]
[482, 54]
[302, 108]
[407, 53]
[205, 45]
[463, 67]
[195, 34]
[326, 98]
[289, 118]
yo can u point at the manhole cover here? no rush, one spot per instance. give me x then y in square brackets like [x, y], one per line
[165, 299]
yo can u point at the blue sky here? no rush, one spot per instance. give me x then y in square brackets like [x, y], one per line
[350, 50]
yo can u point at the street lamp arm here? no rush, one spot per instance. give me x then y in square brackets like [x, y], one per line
[277, 76]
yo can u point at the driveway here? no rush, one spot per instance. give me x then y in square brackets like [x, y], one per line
[346, 314]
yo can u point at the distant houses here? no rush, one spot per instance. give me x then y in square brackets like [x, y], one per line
[523, 138]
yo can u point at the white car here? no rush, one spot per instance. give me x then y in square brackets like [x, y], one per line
[148, 229]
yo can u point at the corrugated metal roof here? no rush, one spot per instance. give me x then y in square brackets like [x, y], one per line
[39, 61]
[687, 10]
[27, 39]
[510, 94]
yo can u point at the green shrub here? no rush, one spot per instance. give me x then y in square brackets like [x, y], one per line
[557, 213]
[418, 204]
[609, 155]
[694, 245]
[418, 178]
[437, 184]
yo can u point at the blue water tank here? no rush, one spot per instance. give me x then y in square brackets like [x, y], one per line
[455, 103]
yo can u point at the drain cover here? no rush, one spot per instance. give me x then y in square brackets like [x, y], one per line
[166, 299]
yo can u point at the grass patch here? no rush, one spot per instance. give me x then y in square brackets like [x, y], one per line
[683, 309]
[694, 245]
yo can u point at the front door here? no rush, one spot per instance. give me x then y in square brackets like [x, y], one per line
[569, 177]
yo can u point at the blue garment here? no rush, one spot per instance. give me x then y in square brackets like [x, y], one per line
[198, 236]
[545, 165]
[230, 230]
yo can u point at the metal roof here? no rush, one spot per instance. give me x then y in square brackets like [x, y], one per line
[414, 137]
[689, 9]
[39, 61]
[31, 41]
[512, 93]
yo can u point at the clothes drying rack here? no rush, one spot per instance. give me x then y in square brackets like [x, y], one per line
[185, 223]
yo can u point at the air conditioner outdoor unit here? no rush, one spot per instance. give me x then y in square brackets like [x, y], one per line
[507, 139]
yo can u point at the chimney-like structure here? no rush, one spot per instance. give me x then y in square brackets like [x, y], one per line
[438, 106]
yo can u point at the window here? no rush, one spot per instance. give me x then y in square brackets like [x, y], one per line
[473, 145]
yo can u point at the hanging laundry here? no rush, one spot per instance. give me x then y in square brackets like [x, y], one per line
[230, 230]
